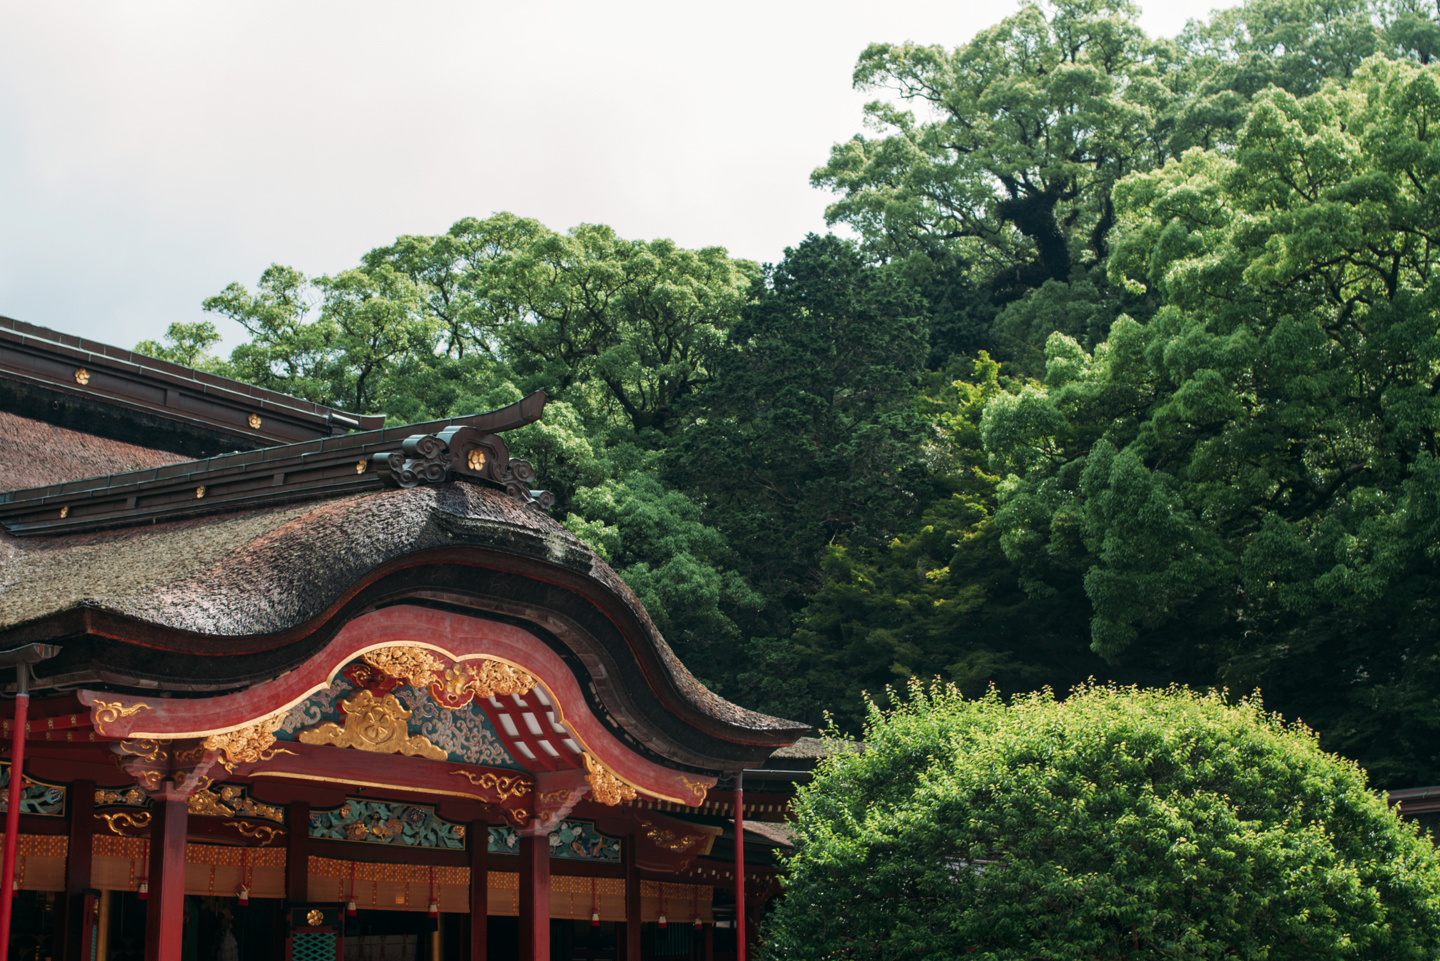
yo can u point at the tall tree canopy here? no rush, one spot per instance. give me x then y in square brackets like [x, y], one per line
[1260, 459]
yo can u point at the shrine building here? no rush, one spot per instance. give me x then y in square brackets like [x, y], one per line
[286, 682]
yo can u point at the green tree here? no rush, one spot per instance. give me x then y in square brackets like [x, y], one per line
[1258, 463]
[1119, 823]
[807, 435]
[1021, 134]
[189, 345]
[940, 599]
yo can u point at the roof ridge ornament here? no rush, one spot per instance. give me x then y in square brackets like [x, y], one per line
[460, 453]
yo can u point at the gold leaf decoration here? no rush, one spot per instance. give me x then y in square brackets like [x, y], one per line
[475, 459]
[413, 665]
[254, 421]
[82, 376]
[248, 744]
[604, 785]
[479, 680]
[263, 833]
[697, 789]
[127, 824]
[374, 724]
[505, 786]
[667, 838]
[145, 748]
[112, 711]
[315, 918]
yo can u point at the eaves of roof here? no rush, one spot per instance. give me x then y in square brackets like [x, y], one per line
[89, 371]
[335, 466]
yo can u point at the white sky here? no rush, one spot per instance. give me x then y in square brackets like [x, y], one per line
[151, 153]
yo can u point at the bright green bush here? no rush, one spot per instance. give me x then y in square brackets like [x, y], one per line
[1119, 823]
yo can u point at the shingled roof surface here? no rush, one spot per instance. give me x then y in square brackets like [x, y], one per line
[264, 571]
[34, 453]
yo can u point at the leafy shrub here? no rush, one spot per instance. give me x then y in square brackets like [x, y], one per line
[1119, 823]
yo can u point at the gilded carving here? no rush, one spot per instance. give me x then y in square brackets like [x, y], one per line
[604, 785]
[109, 713]
[82, 376]
[128, 797]
[360, 466]
[377, 725]
[315, 918]
[248, 744]
[127, 824]
[145, 748]
[487, 679]
[505, 786]
[263, 833]
[667, 838]
[414, 665]
[65, 512]
[254, 421]
[208, 804]
[200, 492]
[697, 789]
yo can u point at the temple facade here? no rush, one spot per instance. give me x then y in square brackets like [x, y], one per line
[285, 682]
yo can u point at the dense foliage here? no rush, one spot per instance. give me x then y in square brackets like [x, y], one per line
[1131, 372]
[1117, 824]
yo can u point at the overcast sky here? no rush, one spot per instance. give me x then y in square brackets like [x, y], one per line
[151, 153]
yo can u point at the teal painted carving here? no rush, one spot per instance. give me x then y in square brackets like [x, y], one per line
[465, 734]
[381, 822]
[36, 797]
[575, 840]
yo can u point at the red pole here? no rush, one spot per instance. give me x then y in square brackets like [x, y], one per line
[740, 866]
[12, 813]
[534, 894]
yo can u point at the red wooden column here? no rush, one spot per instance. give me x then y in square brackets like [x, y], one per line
[297, 852]
[480, 889]
[12, 813]
[740, 866]
[632, 902]
[534, 893]
[165, 908]
[75, 925]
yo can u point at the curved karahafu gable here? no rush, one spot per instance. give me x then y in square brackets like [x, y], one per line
[226, 602]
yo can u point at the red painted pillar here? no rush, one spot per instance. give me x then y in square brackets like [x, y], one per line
[165, 908]
[480, 889]
[534, 894]
[76, 925]
[12, 813]
[297, 852]
[632, 902]
[740, 866]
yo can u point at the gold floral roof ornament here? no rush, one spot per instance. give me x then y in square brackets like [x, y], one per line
[605, 786]
[254, 421]
[82, 376]
[413, 665]
[248, 744]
